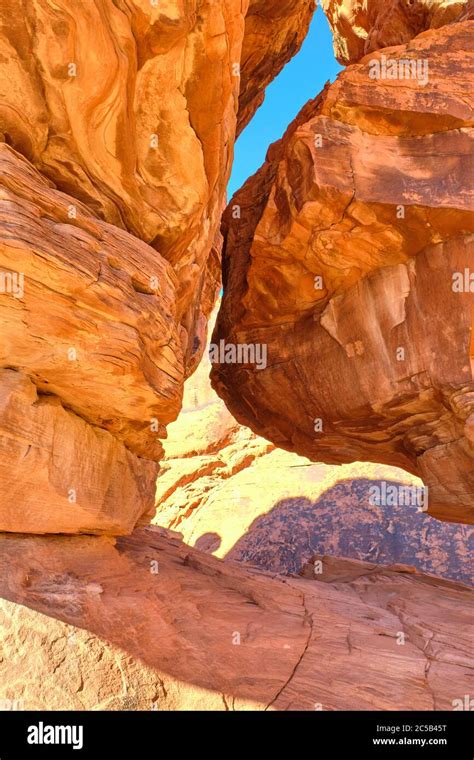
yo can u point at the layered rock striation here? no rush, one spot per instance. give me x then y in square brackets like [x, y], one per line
[196, 633]
[348, 263]
[117, 126]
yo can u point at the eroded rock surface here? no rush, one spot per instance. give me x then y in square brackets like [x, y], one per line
[231, 493]
[362, 27]
[274, 32]
[118, 121]
[348, 257]
[60, 475]
[94, 366]
[96, 323]
[196, 633]
[117, 126]
[131, 108]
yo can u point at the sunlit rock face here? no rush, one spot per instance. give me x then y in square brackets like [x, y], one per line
[274, 32]
[118, 122]
[117, 126]
[197, 633]
[131, 109]
[228, 492]
[359, 28]
[348, 263]
[59, 474]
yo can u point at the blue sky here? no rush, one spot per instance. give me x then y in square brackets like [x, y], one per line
[301, 79]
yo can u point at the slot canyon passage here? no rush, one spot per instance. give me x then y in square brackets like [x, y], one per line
[289, 526]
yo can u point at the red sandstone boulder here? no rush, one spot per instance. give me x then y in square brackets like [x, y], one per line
[347, 258]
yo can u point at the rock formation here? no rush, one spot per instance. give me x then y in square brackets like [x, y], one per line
[274, 32]
[117, 123]
[228, 492]
[147, 623]
[360, 28]
[347, 263]
[117, 127]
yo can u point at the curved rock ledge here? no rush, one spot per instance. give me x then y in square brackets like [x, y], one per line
[196, 633]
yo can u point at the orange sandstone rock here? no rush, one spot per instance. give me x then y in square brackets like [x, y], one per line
[274, 32]
[95, 323]
[131, 108]
[147, 623]
[344, 257]
[59, 474]
[117, 126]
[359, 28]
[228, 492]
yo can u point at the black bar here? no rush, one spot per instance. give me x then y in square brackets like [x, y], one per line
[317, 734]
